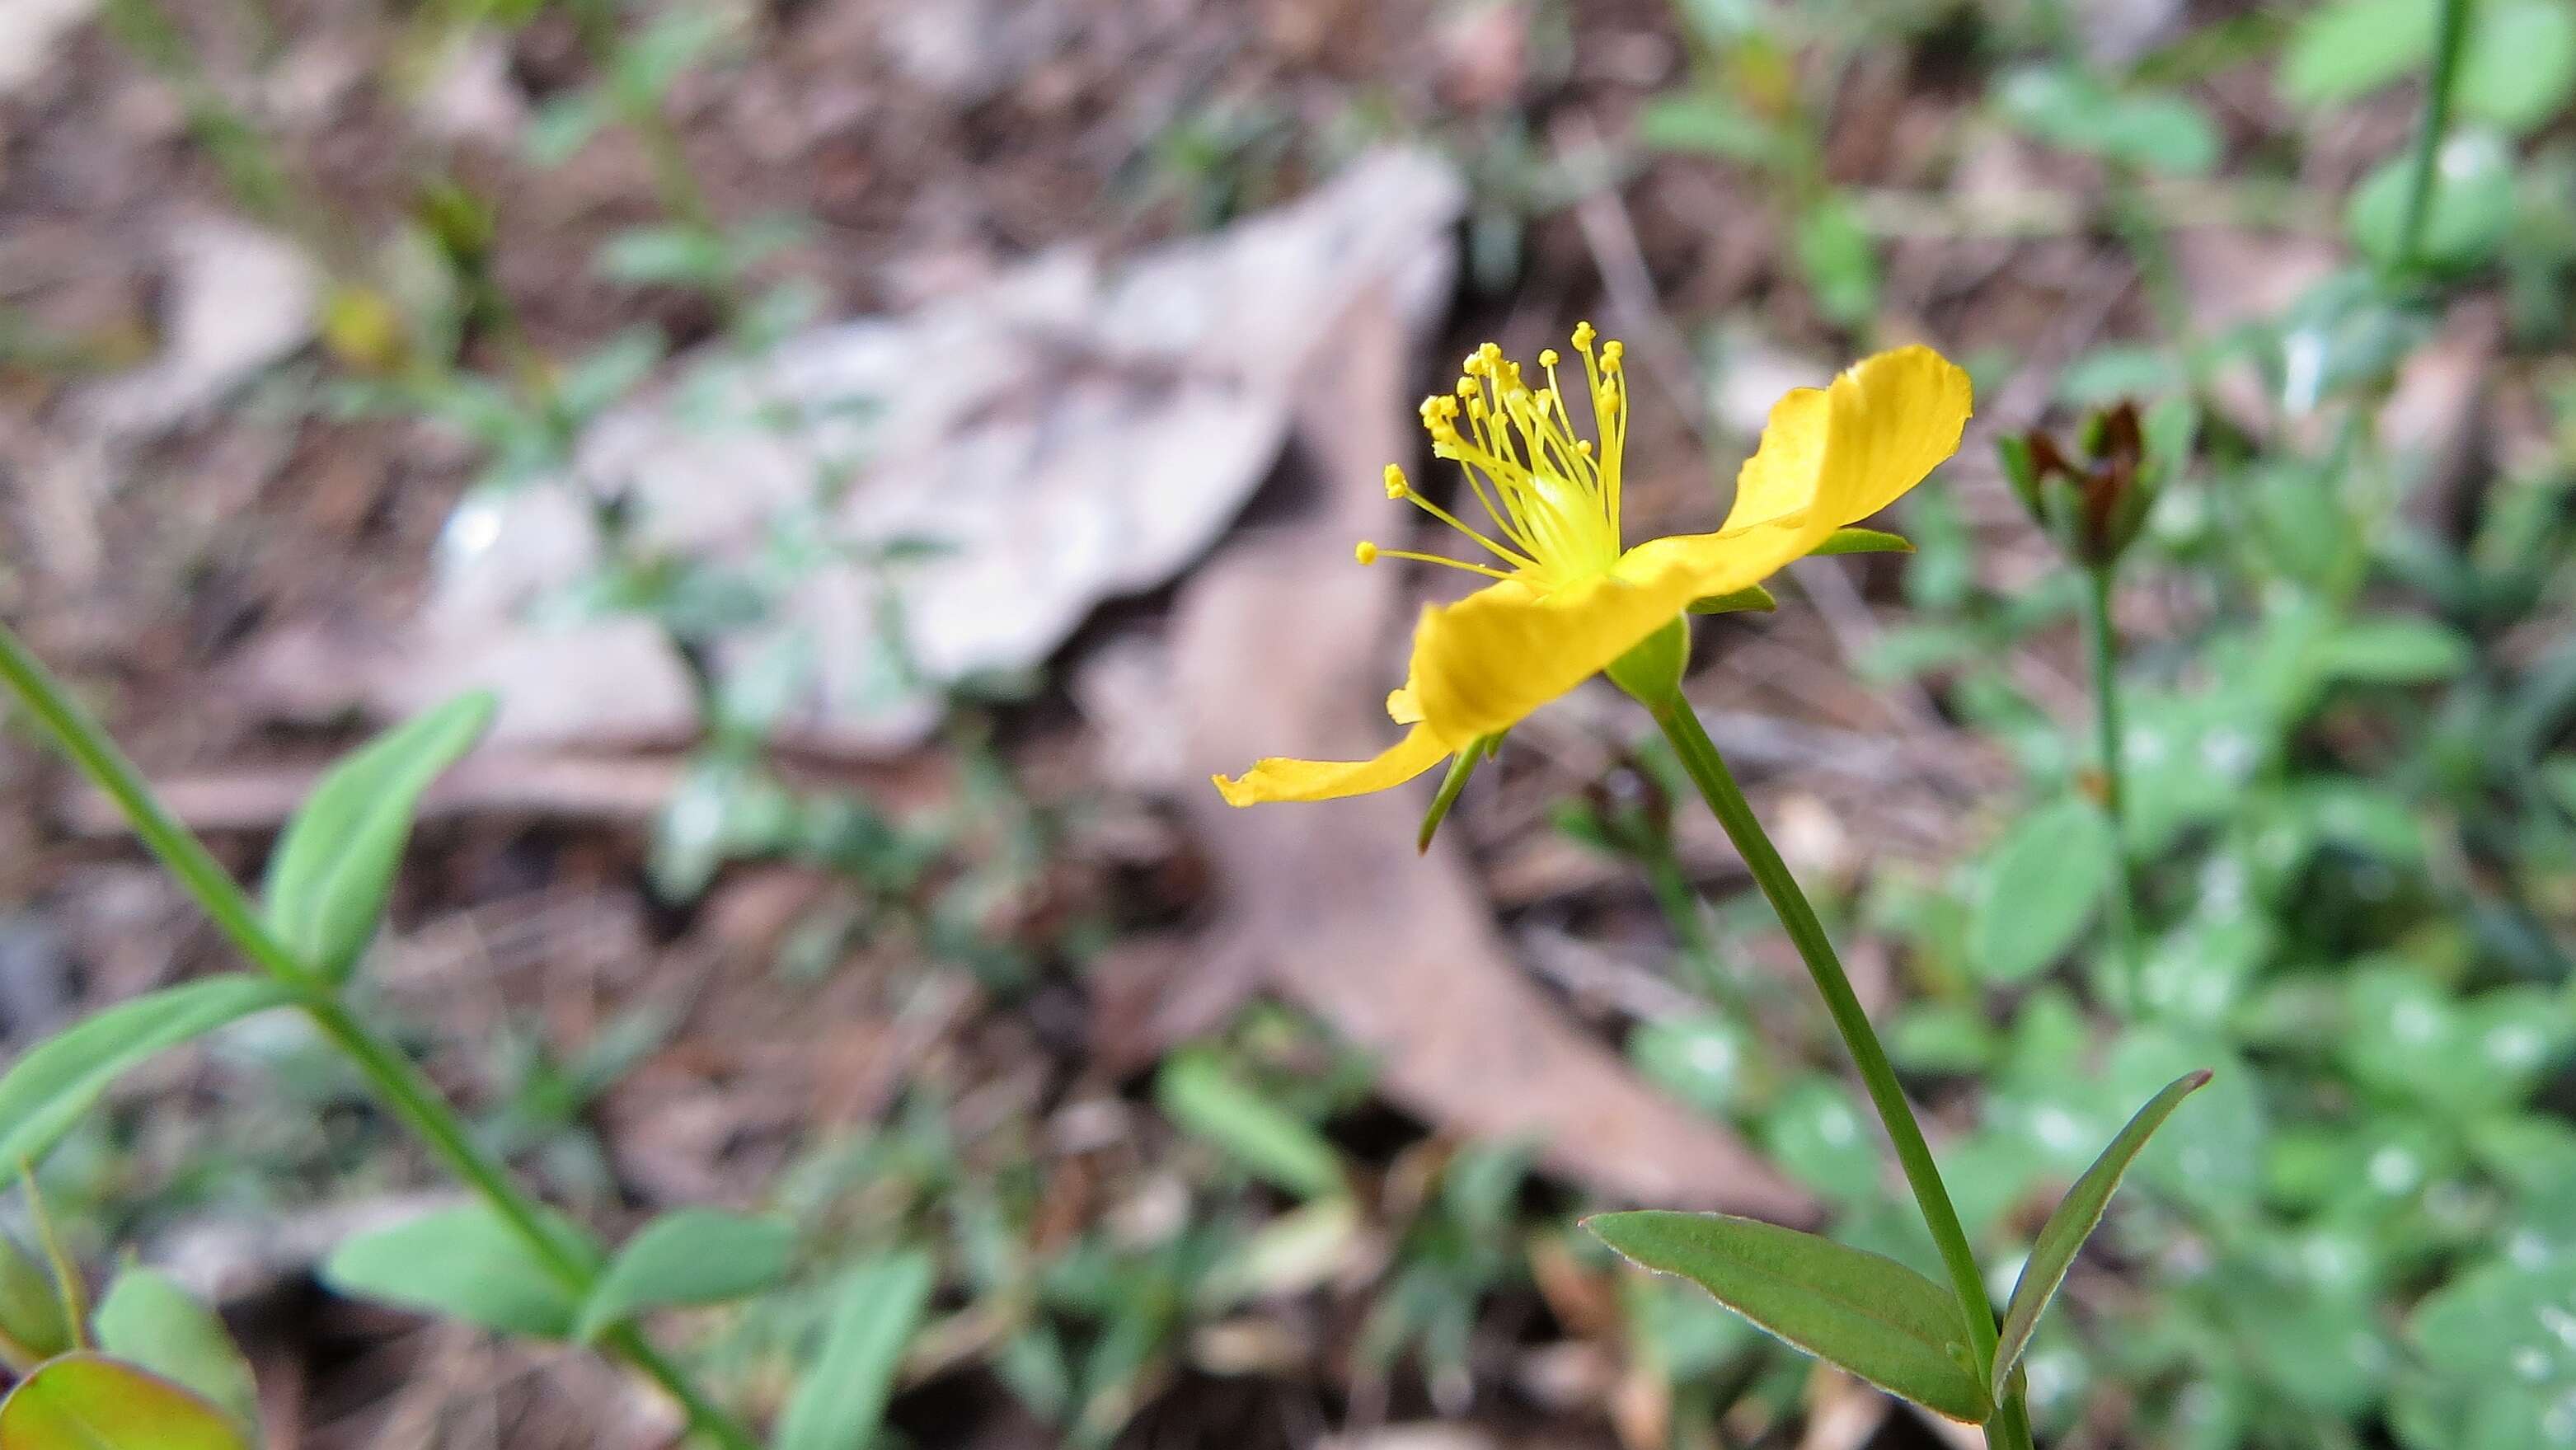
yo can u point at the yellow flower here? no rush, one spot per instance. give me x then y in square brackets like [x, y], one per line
[1567, 598]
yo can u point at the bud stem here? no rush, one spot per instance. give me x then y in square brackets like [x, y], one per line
[2102, 655]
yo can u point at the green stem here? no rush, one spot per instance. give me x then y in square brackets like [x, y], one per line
[399, 1084]
[2011, 1430]
[2450, 29]
[674, 180]
[2101, 654]
[106, 766]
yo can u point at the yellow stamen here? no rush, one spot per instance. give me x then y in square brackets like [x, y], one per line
[1374, 553]
[1551, 494]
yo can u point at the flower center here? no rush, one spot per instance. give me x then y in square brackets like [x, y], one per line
[1551, 495]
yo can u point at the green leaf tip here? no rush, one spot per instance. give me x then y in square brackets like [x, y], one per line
[335, 863]
[2053, 1252]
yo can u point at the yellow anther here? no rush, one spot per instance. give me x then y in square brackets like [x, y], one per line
[1366, 553]
[1551, 495]
[1611, 352]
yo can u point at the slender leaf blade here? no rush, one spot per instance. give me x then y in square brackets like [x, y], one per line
[465, 1262]
[685, 1257]
[53, 1083]
[2077, 1215]
[1196, 1091]
[152, 1323]
[1865, 1312]
[329, 876]
[842, 1395]
[92, 1402]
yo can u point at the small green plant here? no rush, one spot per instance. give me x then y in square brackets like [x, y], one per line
[149, 1368]
[504, 1261]
[1568, 599]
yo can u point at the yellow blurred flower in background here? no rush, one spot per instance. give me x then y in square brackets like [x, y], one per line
[1567, 598]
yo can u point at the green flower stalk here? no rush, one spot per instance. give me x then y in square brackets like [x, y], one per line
[2092, 503]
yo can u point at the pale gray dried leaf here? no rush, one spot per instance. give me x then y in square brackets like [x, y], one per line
[30, 33]
[1069, 434]
[240, 299]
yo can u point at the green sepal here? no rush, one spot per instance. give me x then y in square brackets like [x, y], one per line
[1651, 671]
[1863, 541]
[1461, 766]
[1752, 597]
[2021, 471]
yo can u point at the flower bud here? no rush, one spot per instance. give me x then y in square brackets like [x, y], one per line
[2094, 504]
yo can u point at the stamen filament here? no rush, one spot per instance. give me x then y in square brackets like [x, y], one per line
[1396, 487]
[1370, 554]
[1551, 494]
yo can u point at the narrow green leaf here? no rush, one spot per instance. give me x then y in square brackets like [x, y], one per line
[2053, 1253]
[464, 1262]
[328, 878]
[689, 1256]
[1867, 1313]
[1838, 259]
[1706, 123]
[2393, 650]
[1864, 541]
[91, 1402]
[1751, 597]
[53, 1083]
[148, 1321]
[842, 1395]
[1198, 1092]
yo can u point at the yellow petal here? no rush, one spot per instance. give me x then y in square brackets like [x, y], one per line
[1402, 707]
[1832, 455]
[1698, 565]
[1482, 664]
[1779, 481]
[1895, 417]
[1278, 779]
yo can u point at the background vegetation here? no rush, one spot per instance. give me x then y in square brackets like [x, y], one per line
[878, 1046]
